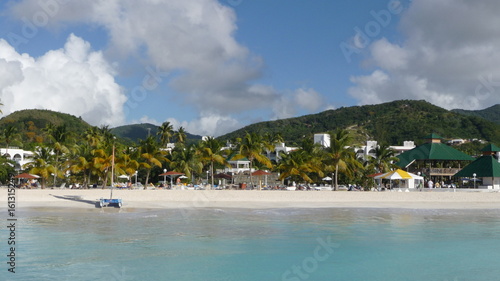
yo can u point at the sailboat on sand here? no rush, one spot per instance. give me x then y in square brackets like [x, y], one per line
[111, 202]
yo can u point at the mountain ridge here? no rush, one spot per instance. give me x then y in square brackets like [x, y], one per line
[491, 113]
[391, 122]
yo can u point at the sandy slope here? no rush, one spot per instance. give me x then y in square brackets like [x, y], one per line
[437, 199]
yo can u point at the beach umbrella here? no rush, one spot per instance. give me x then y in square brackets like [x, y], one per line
[223, 176]
[261, 173]
[327, 178]
[26, 176]
[171, 174]
[374, 175]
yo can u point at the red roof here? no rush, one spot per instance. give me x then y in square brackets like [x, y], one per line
[171, 173]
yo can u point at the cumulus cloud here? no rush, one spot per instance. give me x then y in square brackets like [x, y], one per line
[74, 80]
[308, 99]
[448, 57]
[209, 125]
[193, 40]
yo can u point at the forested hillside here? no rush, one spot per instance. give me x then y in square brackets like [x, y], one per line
[392, 122]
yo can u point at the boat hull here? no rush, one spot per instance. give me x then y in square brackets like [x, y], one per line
[110, 203]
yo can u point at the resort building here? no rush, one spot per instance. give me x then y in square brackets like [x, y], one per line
[486, 168]
[21, 157]
[434, 159]
[369, 150]
[278, 149]
[237, 166]
[322, 139]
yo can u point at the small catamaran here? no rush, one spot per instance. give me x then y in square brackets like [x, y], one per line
[111, 202]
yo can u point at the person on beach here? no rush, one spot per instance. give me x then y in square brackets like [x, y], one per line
[430, 184]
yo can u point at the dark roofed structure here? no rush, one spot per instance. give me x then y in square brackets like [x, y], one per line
[486, 167]
[430, 153]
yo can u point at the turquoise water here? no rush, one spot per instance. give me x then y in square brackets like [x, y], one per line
[237, 244]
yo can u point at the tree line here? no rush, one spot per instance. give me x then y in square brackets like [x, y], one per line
[89, 156]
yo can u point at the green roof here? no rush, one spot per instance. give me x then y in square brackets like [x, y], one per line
[483, 167]
[233, 155]
[432, 151]
[491, 148]
[433, 136]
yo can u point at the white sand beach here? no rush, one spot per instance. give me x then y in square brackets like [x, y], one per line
[81, 199]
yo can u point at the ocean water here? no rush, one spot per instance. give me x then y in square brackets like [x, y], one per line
[267, 244]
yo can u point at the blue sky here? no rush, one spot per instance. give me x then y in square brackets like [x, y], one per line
[215, 66]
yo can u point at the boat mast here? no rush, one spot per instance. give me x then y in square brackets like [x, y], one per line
[112, 170]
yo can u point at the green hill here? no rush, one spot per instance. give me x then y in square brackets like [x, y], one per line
[30, 122]
[491, 113]
[138, 132]
[392, 122]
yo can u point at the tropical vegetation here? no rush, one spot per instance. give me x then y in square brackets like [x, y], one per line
[66, 149]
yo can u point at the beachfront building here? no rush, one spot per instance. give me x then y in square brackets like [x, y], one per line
[434, 159]
[21, 157]
[237, 166]
[486, 168]
[369, 150]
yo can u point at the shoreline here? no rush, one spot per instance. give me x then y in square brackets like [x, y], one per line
[252, 199]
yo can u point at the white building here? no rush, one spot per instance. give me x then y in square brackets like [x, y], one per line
[369, 149]
[407, 145]
[322, 139]
[280, 147]
[21, 157]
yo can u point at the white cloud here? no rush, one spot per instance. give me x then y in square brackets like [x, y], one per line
[148, 120]
[448, 57]
[308, 99]
[192, 40]
[209, 125]
[73, 80]
[389, 56]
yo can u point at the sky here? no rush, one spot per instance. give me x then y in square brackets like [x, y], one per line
[214, 66]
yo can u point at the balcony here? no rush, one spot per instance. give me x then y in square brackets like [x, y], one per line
[440, 171]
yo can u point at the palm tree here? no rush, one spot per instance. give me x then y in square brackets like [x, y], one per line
[252, 147]
[92, 136]
[339, 157]
[181, 135]
[165, 131]
[6, 168]
[210, 150]
[186, 160]
[125, 162]
[270, 142]
[41, 165]
[151, 154]
[297, 163]
[385, 158]
[9, 134]
[101, 164]
[81, 162]
[59, 136]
